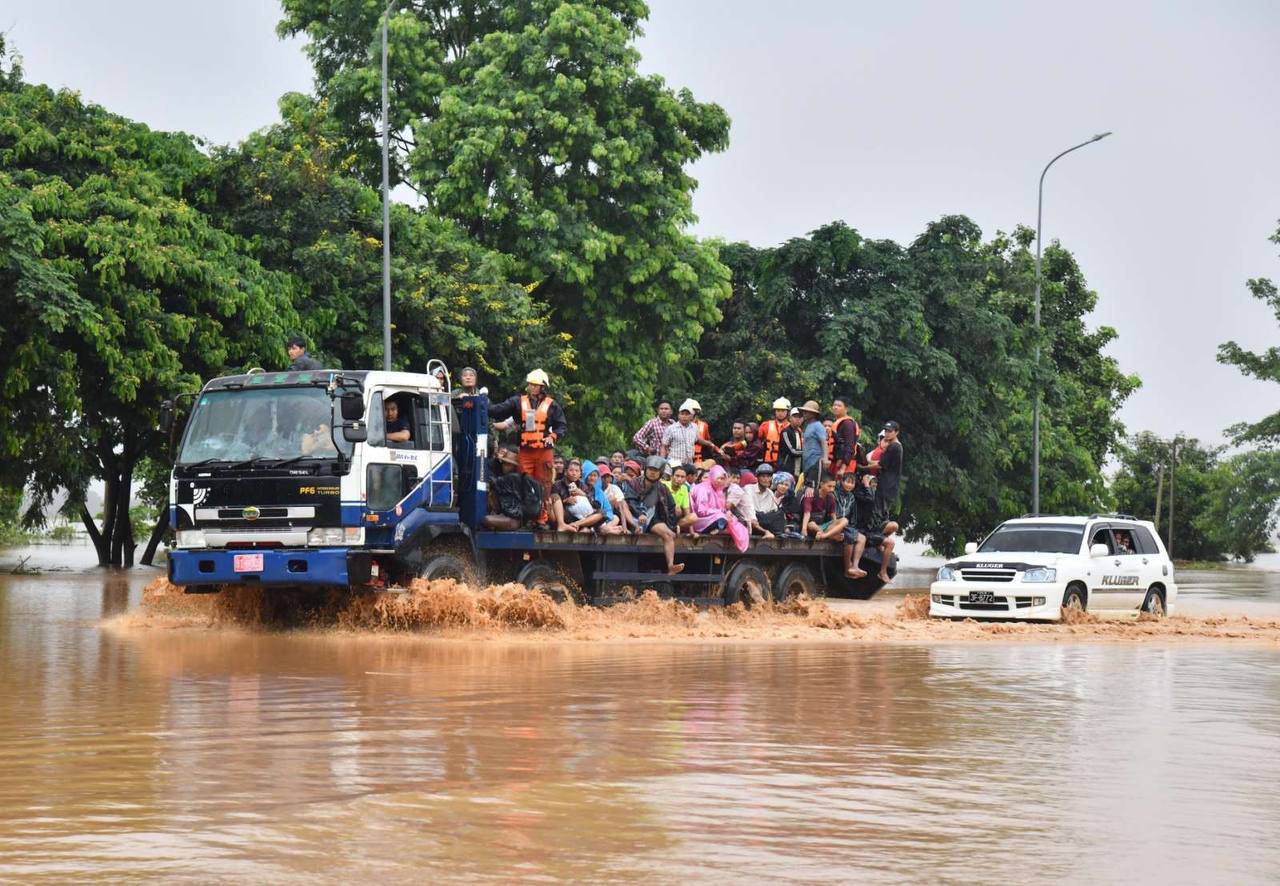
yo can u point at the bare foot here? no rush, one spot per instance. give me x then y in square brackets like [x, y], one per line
[884, 578]
[568, 527]
[676, 569]
[855, 572]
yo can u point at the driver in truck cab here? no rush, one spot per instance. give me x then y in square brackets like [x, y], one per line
[397, 428]
[541, 421]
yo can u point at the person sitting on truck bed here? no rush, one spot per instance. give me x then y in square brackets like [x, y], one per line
[570, 499]
[397, 428]
[655, 510]
[709, 504]
[506, 493]
[819, 512]
[541, 421]
[784, 490]
[611, 492]
[679, 486]
[612, 522]
[875, 529]
[769, 517]
[847, 507]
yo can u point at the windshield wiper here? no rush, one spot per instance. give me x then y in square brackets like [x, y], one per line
[201, 463]
[250, 462]
[288, 461]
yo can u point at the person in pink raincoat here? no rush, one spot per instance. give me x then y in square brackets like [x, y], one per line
[708, 502]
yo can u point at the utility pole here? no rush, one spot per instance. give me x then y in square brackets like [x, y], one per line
[1159, 497]
[386, 202]
[1173, 469]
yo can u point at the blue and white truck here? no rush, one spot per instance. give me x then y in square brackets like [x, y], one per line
[287, 479]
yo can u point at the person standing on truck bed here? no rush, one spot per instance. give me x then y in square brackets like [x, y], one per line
[792, 458]
[703, 443]
[842, 445]
[649, 438]
[771, 433]
[815, 444]
[299, 359]
[679, 440]
[890, 468]
[542, 423]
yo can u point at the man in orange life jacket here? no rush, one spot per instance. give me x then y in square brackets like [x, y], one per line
[771, 432]
[703, 445]
[541, 422]
[842, 442]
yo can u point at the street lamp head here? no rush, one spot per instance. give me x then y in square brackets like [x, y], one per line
[1100, 136]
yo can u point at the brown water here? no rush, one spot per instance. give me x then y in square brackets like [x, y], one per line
[139, 752]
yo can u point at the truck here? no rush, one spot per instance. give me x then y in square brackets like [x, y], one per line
[285, 479]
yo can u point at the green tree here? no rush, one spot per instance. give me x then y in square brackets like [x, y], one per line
[289, 191]
[1244, 510]
[938, 337]
[131, 292]
[1264, 366]
[1143, 470]
[530, 125]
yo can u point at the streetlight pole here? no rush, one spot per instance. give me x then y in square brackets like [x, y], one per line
[386, 202]
[1035, 412]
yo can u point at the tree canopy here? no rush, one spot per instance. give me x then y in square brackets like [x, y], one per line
[529, 125]
[1264, 366]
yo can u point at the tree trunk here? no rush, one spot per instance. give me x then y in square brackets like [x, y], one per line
[122, 538]
[91, 526]
[157, 533]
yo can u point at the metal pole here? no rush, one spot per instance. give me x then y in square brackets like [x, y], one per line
[386, 203]
[1035, 409]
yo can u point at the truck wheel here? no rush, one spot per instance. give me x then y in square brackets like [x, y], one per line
[202, 589]
[546, 579]
[1154, 604]
[444, 566]
[747, 584]
[794, 579]
[1073, 598]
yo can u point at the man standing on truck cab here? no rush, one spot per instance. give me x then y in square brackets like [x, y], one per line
[299, 359]
[842, 445]
[542, 423]
[771, 432]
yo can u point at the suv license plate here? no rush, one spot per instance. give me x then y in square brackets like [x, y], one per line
[253, 563]
[982, 597]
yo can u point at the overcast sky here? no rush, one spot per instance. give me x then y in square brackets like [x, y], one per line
[887, 116]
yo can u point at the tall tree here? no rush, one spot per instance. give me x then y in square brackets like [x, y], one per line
[115, 292]
[938, 337]
[1244, 511]
[531, 126]
[1264, 366]
[290, 192]
[1196, 487]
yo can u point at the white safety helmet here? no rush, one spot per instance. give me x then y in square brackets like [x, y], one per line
[782, 403]
[537, 377]
[690, 406]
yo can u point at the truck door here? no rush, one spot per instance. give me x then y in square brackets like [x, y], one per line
[1115, 577]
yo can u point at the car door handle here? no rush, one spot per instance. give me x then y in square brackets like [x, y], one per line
[1117, 562]
[1144, 561]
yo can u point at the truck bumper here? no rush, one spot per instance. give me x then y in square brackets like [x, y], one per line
[318, 566]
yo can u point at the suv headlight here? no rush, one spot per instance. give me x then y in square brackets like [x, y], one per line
[335, 535]
[946, 573]
[192, 538]
[1040, 573]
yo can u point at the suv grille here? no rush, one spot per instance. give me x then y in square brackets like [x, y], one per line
[988, 574]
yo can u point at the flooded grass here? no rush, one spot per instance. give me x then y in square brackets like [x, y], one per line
[447, 608]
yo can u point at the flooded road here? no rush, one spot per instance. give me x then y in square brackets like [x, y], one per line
[221, 754]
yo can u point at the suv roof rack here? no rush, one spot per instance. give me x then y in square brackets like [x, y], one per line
[1029, 516]
[1114, 516]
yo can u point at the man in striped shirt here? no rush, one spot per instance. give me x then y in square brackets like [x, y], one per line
[649, 438]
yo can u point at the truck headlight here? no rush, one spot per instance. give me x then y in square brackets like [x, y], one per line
[946, 573]
[335, 535]
[1039, 574]
[192, 538]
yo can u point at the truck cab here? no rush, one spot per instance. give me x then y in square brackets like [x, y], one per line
[290, 478]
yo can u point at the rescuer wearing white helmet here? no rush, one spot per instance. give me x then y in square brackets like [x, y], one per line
[704, 443]
[771, 432]
[542, 423]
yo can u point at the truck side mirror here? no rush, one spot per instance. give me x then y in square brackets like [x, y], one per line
[356, 432]
[1099, 551]
[166, 416]
[971, 547]
[352, 406]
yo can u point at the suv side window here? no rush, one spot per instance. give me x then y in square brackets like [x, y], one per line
[1146, 544]
[1102, 536]
[1124, 539]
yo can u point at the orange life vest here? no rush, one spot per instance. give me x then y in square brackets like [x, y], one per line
[831, 440]
[771, 434]
[704, 433]
[533, 422]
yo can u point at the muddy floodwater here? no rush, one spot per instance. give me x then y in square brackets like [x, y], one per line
[133, 749]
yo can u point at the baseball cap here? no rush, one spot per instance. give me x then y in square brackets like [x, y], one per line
[891, 426]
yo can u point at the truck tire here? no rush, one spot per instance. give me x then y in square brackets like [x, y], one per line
[546, 579]
[747, 583]
[795, 579]
[440, 566]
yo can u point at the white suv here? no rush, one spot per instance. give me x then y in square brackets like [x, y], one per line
[1031, 568]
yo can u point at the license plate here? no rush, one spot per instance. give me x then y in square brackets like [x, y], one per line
[982, 597]
[253, 563]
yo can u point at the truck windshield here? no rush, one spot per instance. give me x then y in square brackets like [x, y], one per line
[1044, 538]
[263, 423]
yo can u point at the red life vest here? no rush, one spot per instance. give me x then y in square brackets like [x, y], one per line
[831, 440]
[533, 435]
[771, 434]
[704, 433]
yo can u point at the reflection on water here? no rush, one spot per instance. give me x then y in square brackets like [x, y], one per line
[218, 754]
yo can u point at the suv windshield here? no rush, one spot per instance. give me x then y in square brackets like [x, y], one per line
[1045, 538]
[263, 423]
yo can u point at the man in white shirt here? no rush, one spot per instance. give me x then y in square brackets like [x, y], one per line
[678, 439]
[768, 517]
